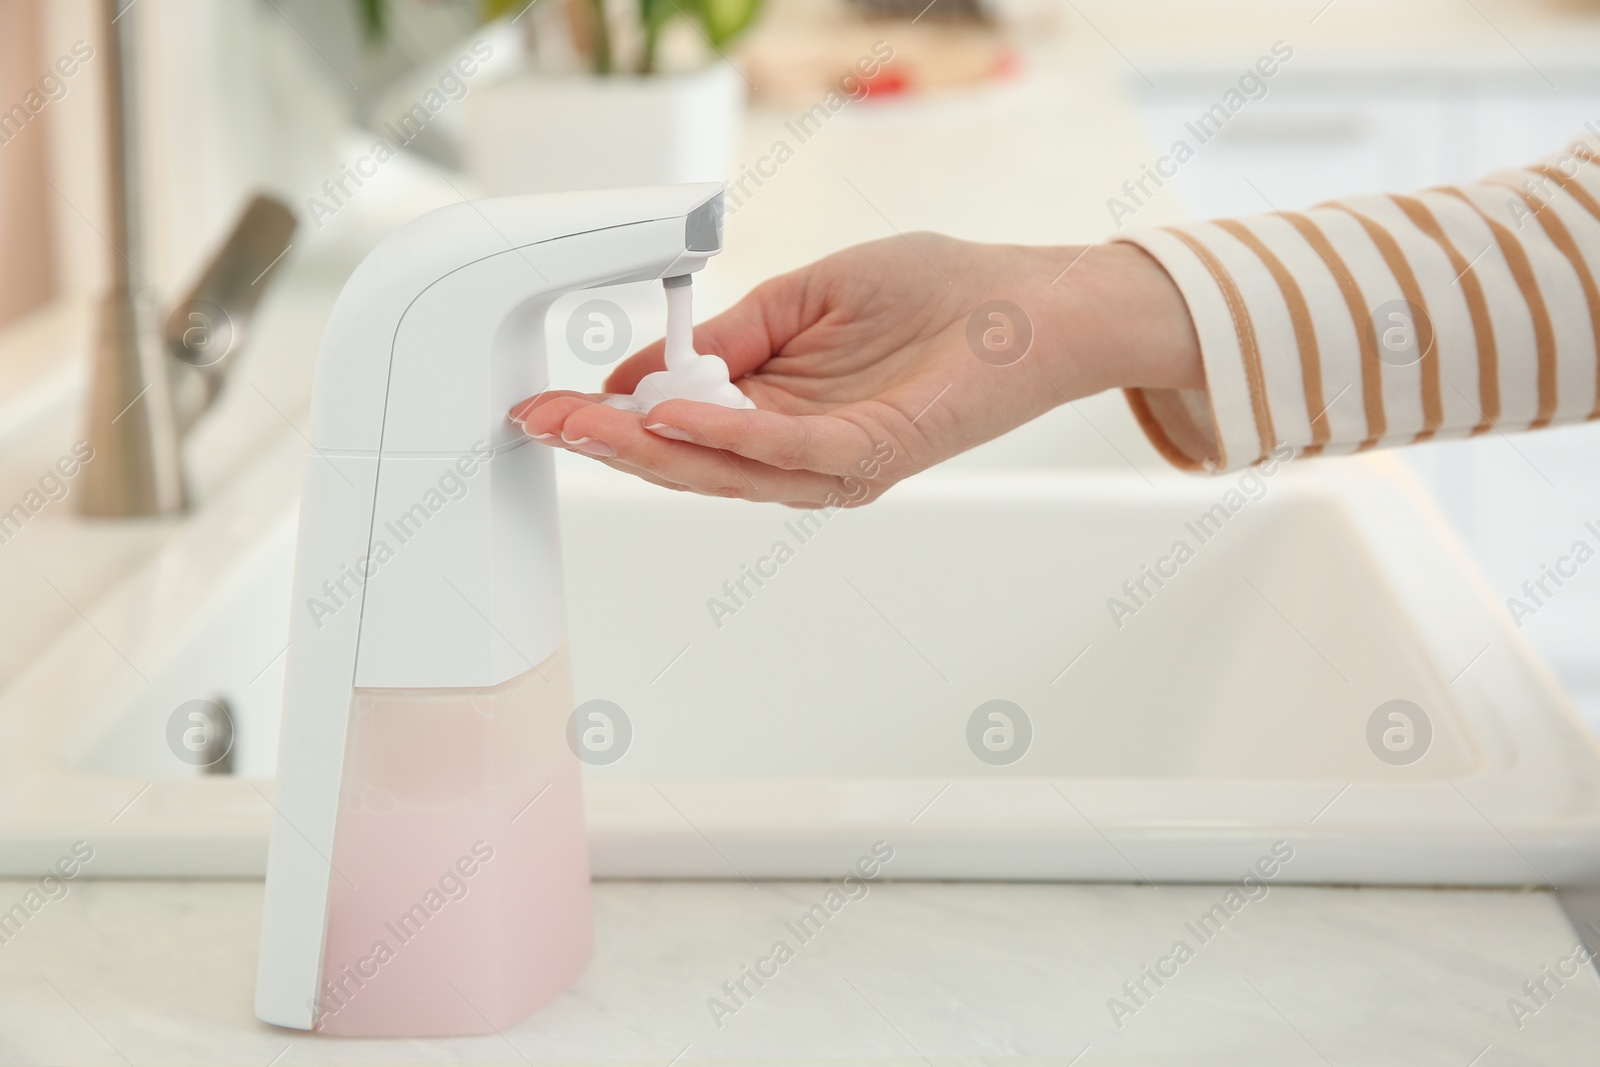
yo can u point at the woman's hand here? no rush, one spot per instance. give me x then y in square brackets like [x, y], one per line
[882, 360]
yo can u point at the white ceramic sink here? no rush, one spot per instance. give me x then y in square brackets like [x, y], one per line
[831, 709]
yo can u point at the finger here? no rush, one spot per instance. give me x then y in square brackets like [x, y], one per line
[828, 444]
[745, 336]
[655, 479]
[643, 475]
[612, 434]
[522, 410]
[547, 427]
[544, 419]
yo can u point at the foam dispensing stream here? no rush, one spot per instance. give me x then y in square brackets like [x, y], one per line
[688, 374]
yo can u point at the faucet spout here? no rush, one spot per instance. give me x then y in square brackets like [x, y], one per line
[148, 386]
[207, 325]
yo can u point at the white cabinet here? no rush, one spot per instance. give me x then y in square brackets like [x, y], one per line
[1320, 134]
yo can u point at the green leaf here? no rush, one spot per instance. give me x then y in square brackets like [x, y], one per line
[654, 14]
[720, 20]
[724, 20]
[371, 12]
[489, 10]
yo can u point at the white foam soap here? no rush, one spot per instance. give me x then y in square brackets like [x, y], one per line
[689, 375]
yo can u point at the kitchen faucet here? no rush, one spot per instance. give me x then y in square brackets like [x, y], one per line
[148, 383]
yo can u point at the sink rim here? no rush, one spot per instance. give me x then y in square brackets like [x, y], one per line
[144, 828]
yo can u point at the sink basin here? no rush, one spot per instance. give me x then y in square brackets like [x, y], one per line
[787, 707]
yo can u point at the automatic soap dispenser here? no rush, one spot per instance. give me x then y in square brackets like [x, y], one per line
[428, 873]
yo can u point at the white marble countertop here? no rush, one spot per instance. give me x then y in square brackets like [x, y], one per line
[128, 972]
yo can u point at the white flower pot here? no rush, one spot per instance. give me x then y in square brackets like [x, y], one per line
[532, 133]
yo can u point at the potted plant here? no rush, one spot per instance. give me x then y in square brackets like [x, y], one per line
[604, 101]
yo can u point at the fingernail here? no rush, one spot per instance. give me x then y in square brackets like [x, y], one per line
[520, 411]
[593, 447]
[545, 437]
[672, 433]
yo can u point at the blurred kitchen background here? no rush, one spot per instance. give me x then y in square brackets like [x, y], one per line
[1003, 120]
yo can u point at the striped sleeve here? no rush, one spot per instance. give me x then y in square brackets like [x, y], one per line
[1383, 320]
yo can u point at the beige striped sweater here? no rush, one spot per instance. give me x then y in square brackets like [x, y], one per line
[1381, 320]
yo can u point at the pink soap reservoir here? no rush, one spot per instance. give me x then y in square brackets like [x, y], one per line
[460, 897]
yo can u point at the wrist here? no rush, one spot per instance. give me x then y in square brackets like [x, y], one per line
[1122, 323]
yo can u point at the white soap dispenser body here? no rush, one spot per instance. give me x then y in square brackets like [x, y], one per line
[428, 873]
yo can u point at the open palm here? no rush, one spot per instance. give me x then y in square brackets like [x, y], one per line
[862, 371]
